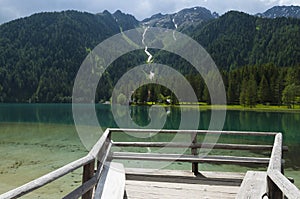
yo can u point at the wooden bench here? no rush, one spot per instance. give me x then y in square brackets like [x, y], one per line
[111, 185]
[253, 186]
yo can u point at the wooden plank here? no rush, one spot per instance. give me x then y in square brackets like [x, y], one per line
[197, 145]
[175, 176]
[275, 165]
[101, 147]
[120, 130]
[254, 185]
[112, 183]
[288, 188]
[164, 190]
[153, 183]
[88, 185]
[276, 155]
[103, 159]
[190, 158]
[85, 187]
[194, 151]
[183, 173]
[97, 147]
[88, 173]
[39, 182]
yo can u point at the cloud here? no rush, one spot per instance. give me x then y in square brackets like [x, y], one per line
[289, 2]
[281, 2]
[8, 13]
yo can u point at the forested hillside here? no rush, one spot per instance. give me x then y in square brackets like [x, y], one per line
[238, 39]
[41, 54]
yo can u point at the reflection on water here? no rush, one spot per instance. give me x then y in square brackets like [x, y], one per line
[42, 113]
[287, 123]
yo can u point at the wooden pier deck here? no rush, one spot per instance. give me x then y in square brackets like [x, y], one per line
[152, 184]
[104, 178]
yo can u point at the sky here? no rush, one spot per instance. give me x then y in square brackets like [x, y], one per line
[141, 9]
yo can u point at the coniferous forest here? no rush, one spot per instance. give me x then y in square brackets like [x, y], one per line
[259, 58]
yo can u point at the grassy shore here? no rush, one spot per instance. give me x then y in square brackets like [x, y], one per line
[258, 107]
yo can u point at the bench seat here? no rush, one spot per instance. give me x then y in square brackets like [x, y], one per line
[111, 185]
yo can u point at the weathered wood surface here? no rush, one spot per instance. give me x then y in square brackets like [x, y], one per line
[194, 151]
[160, 187]
[190, 158]
[198, 145]
[193, 131]
[275, 165]
[112, 183]
[88, 173]
[288, 188]
[41, 181]
[276, 155]
[254, 185]
[159, 190]
[200, 186]
[181, 176]
[84, 188]
[90, 179]
[183, 173]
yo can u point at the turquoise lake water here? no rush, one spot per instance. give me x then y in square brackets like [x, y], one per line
[38, 138]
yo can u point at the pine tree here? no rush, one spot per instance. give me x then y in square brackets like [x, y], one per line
[251, 93]
[233, 89]
[264, 90]
[243, 93]
[248, 95]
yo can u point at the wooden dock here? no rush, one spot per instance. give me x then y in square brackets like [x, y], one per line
[145, 183]
[104, 177]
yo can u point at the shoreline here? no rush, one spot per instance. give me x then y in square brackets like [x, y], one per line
[259, 108]
[204, 106]
[200, 106]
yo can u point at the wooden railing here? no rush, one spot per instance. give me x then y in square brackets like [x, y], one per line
[278, 185]
[101, 154]
[194, 145]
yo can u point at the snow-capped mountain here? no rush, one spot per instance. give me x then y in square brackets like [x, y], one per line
[282, 11]
[181, 19]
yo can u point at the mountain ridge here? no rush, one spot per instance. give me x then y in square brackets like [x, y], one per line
[180, 20]
[41, 54]
[281, 11]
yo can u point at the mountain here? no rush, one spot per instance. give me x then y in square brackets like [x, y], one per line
[282, 11]
[238, 39]
[125, 21]
[182, 19]
[41, 54]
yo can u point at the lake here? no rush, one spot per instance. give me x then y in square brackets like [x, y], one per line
[38, 138]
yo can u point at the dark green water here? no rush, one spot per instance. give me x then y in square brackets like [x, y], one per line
[50, 127]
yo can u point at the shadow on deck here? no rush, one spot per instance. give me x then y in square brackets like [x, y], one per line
[156, 184]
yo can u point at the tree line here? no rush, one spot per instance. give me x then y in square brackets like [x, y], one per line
[248, 86]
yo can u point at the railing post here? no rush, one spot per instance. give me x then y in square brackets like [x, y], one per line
[194, 151]
[273, 190]
[88, 173]
[275, 164]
